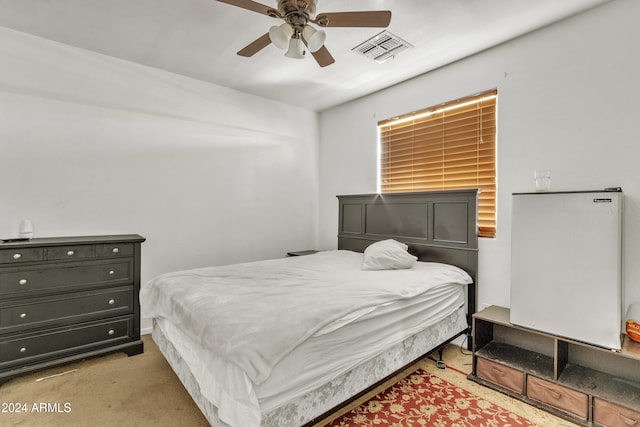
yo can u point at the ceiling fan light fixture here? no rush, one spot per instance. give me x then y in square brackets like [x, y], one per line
[315, 39]
[296, 35]
[296, 48]
[280, 35]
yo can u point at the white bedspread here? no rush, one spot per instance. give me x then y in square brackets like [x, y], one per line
[254, 314]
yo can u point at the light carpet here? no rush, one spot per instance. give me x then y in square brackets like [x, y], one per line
[142, 390]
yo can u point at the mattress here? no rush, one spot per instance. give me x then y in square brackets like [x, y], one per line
[324, 348]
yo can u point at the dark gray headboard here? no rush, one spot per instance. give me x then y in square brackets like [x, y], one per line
[439, 226]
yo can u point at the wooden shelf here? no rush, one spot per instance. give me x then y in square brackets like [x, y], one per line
[599, 374]
[602, 385]
[494, 314]
[518, 358]
[630, 348]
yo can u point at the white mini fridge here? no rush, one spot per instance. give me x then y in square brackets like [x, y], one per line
[566, 272]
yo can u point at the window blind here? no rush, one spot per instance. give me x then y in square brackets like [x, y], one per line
[445, 147]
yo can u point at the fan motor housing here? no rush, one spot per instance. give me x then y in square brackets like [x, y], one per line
[301, 7]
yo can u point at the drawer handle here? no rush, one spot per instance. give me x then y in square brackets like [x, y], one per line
[23, 315]
[23, 350]
[17, 256]
[628, 421]
[111, 332]
[22, 282]
[115, 250]
[112, 301]
[71, 253]
[111, 272]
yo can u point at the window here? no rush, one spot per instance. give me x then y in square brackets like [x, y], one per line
[445, 147]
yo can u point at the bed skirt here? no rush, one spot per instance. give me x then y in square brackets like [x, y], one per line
[308, 407]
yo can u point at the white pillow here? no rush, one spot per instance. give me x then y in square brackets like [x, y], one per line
[387, 255]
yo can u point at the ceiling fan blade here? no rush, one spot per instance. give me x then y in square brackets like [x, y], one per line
[253, 6]
[323, 57]
[374, 18]
[255, 46]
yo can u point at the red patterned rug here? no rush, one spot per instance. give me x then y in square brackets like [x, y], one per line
[423, 399]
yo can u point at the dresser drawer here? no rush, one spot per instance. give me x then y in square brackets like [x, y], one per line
[499, 374]
[114, 249]
[19, 255]
[28, 348]
[612, 415]
[59, 276]
[70, 252]
[562, 398]
[66, 308]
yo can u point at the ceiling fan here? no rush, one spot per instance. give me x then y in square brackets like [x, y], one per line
[296, 33]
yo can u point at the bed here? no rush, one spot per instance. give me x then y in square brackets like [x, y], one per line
[341, 328]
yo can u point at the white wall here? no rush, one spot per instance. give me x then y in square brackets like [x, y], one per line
[568, 101]
[93, 145]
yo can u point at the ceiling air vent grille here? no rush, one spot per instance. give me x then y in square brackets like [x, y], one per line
[382, 47]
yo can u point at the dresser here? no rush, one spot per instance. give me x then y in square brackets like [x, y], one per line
[68, 298]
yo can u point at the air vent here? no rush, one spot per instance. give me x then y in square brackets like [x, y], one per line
[382, 47]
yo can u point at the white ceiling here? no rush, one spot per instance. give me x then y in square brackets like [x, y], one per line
[200, 38]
